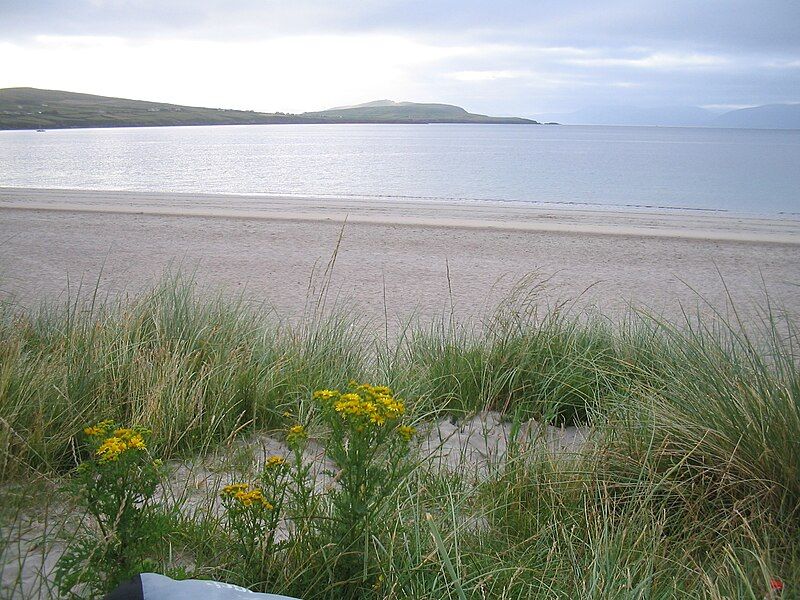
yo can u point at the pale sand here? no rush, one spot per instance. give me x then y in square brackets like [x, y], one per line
[268, 247]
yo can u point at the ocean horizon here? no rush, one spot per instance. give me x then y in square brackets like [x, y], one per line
[748, 172]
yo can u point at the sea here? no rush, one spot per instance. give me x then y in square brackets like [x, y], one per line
[739, 171]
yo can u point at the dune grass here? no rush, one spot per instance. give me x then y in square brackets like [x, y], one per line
[193, 372]
[690, 489]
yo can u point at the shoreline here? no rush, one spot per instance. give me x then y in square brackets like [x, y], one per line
[485, 215]
[393, 260]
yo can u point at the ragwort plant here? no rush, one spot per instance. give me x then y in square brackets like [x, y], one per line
[253, 512]
[369, 445]
[115, 485]
[332, 530]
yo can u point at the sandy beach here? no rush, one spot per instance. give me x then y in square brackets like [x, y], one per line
[395, 257]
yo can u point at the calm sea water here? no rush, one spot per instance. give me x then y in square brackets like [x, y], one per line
[741, 171]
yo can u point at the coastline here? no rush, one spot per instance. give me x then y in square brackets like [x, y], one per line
[394, 260]
[482, 215]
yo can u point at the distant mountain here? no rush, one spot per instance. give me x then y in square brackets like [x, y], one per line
[31, 108]
[770, 116]
[388, 111]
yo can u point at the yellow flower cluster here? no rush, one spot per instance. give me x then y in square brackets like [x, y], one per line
[111, 449]
[246, 495]
[100, 429]
[406, 432]
[121, 440]
[353, 405]
[371, 390]
[132, 437]
[296, 434]
[392, 407]
[326, 394]
[375, 404]
[275, 461]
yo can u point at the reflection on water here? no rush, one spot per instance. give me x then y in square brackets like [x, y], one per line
[750, 171]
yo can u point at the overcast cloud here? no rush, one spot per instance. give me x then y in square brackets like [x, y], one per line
[515, 57]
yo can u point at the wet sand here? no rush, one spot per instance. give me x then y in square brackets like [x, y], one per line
[395, 258]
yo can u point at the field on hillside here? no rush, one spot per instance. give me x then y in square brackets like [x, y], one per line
[29, 108]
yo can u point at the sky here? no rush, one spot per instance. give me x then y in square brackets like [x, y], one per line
[513, 57]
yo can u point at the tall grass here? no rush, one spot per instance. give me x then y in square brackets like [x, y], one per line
[720, 411]
[194, 371]
[691, 487]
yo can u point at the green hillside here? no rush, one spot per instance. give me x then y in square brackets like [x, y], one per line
[388, 111]
[31, 108]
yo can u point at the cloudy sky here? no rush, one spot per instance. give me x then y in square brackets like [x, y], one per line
[522, 57]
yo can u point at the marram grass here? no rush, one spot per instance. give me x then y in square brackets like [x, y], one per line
[194, 372]
[691, 488]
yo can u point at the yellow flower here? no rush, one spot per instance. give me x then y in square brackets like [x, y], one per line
[122, 440]
[245, 498]
[100, 428]
[275, 461]
[232, 489]
[136, 442]
[370, 390]
[364, 388]
[246, 495]
[110, 449]
[347, 401]
[406, 432]
[295, 435]
[325, 394]
[353, 405]
[297, 430]
[374, 404]
[393, 407]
